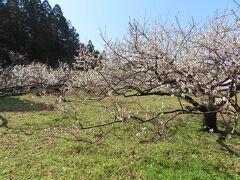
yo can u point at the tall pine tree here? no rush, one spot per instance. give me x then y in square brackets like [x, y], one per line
[33, 28]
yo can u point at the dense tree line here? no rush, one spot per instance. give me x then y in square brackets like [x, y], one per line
[37, 31]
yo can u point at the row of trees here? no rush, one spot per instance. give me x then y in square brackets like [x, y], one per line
[198, 66]
[36, 30]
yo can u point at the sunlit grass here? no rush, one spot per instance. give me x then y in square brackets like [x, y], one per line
[27, 151]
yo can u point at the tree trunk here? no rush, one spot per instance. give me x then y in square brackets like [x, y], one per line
[210, 121]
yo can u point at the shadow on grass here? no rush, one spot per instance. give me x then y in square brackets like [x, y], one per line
[223, 136]
[3, 122]
[14, 104]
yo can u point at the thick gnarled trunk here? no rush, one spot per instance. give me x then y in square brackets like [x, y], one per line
[210, 121]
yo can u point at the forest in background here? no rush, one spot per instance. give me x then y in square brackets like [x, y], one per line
[37, 32]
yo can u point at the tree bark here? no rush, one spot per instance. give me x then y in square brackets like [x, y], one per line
[210, 121]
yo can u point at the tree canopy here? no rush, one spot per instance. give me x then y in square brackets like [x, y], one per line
[36, 30]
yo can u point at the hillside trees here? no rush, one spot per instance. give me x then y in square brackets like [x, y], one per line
[198, 66]
[33, 28]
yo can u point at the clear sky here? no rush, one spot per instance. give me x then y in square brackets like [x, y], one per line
[112, 16]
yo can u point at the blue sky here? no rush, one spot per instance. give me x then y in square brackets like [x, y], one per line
[112, 16]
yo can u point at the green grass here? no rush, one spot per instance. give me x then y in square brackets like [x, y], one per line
[27, 151]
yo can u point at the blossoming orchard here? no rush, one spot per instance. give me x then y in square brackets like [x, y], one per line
[198, 65]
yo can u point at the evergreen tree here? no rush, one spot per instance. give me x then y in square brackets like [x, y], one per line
[33, 28]
[46, 7]
[90, 47]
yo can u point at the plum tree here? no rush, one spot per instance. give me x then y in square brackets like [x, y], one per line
[197, 64]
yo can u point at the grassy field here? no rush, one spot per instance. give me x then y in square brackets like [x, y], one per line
[27, 150]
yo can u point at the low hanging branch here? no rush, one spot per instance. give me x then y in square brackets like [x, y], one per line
[198, 65]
